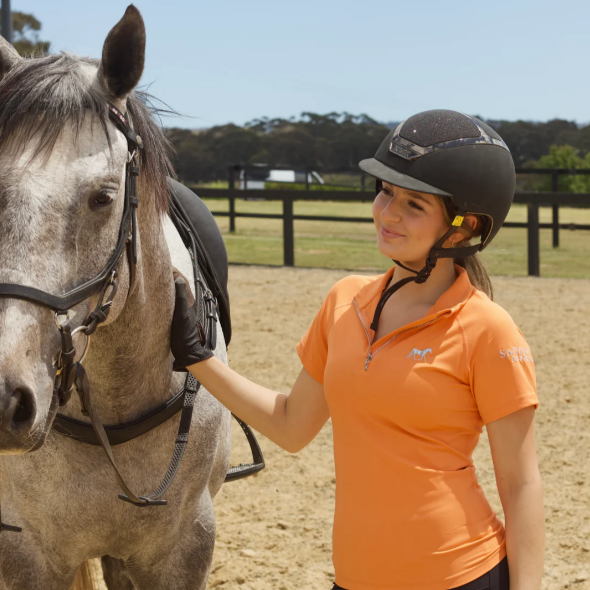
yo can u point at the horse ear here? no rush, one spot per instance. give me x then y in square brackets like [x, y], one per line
[123, 54]
[8, 57]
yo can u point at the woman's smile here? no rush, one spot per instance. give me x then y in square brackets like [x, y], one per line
[388, 234]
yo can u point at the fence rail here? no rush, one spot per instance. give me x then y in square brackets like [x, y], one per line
[288, 197]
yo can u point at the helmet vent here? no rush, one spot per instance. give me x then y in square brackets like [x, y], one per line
[437, 126]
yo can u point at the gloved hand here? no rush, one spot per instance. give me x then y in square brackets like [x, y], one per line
[187, 337]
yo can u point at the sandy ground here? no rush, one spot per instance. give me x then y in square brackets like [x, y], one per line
[274, 529]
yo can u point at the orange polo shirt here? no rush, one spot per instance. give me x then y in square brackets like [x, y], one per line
[410, 513]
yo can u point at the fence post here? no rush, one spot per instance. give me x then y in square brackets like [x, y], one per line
[555, 189]
[288, 239]
[307, 169]
[232, 200]
[533, 240]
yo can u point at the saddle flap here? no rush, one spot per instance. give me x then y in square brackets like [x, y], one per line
[211, 251]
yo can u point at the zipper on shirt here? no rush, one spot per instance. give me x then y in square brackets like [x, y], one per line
[371, 354]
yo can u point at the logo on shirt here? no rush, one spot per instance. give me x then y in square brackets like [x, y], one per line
[418, 355]
[518, 354]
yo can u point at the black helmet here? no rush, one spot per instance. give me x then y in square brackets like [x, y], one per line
[452, 155]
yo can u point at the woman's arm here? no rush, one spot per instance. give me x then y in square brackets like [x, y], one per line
[291, 421]
[512, 441]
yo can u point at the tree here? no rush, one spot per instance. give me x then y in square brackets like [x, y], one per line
[26, 29]
[565, 157]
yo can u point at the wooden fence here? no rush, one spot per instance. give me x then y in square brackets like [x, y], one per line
[288, 197]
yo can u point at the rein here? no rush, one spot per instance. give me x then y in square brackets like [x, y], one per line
[71, 375]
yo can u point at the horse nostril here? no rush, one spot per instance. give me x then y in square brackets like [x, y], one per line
[23, 402]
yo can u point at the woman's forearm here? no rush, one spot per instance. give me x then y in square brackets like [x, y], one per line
[261, 408]
[525, 534]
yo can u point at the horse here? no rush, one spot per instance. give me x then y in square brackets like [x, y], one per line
[62, 191]
[418, 355]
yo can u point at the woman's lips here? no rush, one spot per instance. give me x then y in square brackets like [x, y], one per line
[389, 234]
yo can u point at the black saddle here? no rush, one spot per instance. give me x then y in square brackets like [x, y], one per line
[210, 246]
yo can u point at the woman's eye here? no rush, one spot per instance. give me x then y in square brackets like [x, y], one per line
[415, 205]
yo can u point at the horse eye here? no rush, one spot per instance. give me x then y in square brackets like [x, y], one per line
[103, 199]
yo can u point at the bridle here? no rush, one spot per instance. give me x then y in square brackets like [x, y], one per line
[105, 283]
[71, 375]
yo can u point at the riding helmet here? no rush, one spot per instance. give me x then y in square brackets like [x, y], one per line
[452, 155]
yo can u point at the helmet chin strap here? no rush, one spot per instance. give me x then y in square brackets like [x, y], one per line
[436, 252]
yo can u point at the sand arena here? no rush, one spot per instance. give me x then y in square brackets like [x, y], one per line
[274, 529]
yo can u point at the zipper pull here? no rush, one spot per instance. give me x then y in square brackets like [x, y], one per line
[368, 360]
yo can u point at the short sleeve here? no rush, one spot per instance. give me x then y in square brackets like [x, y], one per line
[502, 369]
[313, 346]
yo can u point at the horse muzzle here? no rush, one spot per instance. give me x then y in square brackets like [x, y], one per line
[18, 415]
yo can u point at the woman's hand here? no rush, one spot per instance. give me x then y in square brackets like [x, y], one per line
[291, 421]
[187, 337]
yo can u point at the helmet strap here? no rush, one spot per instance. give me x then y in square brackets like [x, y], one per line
[436, 252]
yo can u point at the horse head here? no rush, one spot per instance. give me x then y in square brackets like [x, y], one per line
[62, 192]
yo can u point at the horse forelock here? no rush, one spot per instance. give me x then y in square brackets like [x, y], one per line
[40, 96]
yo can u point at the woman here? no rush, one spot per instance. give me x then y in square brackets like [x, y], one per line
[409, 377]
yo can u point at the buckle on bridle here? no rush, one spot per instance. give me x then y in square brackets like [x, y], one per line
[131, 156]
[60, 327]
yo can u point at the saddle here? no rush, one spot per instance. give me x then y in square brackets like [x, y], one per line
[199, 232]
[211, 251]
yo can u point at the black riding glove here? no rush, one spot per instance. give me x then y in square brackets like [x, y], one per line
[187, 337]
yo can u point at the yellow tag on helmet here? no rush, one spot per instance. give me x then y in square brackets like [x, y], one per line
[458, 221]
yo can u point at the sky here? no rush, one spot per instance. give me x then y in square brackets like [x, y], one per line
[222, 61]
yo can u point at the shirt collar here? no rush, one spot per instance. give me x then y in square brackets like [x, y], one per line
[452, 298]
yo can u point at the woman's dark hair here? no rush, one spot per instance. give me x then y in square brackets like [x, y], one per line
[476, 269]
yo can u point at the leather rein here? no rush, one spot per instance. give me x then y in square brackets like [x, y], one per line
[71, 375]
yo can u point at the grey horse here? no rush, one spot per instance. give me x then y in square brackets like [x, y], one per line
[62, 166]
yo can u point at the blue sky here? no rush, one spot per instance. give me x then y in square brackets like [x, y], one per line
[224, 61]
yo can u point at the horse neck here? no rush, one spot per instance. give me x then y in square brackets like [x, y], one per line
[129, 364]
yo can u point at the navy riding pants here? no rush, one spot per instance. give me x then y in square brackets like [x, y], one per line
[496, 579]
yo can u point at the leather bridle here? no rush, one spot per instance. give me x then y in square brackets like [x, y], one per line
[105, 283]
[71, 375]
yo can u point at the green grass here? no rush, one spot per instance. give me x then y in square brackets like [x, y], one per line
[353, 245]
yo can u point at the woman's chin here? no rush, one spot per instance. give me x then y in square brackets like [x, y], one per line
[389, 250]
[401, 255]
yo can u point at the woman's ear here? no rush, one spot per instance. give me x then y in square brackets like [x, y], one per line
[467, 229]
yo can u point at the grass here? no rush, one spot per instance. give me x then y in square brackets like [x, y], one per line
[353, 245]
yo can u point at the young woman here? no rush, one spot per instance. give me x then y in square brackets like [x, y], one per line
[410, 376]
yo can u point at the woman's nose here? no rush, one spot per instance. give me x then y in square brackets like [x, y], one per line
[391, 211]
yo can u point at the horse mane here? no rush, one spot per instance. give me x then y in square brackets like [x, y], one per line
[40, 96]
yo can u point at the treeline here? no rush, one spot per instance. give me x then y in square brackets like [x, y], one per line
[324, 142]
[336, 142]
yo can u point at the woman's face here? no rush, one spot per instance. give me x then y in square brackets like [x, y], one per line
[408, 223]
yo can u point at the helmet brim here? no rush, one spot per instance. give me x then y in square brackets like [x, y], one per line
[382, 172]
